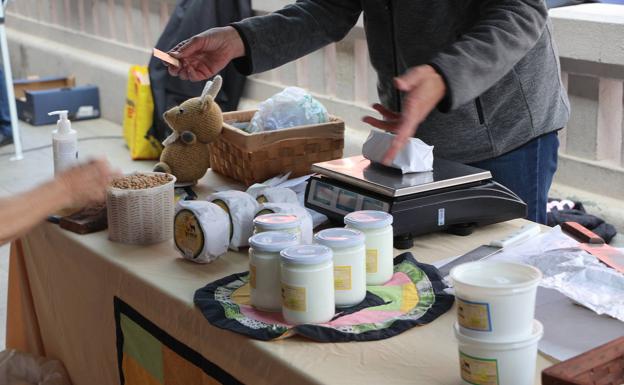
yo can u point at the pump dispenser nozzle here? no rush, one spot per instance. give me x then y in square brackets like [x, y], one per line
[63, 124]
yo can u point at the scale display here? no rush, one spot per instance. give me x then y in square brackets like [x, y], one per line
[342, 200]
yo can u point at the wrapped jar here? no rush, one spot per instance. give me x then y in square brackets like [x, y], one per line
[377, 229]
[288, 223]
[349, 264]
[264, 268]
[307, 275]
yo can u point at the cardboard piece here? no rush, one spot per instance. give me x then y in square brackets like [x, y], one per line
[166, 57]
[35, 97]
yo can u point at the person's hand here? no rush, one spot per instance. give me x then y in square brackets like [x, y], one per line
[86, 183]
[204, 55]
[424, 88]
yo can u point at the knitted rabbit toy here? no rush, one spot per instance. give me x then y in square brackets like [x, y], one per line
[195, 123]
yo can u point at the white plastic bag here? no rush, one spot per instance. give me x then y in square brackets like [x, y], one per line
[18, 368]
[416, 156]
[289, 108]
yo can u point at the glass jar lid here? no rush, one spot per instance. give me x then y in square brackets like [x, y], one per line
[306, 254]
[273, 241]
[368, 219]
[340, 238]
[277, 221]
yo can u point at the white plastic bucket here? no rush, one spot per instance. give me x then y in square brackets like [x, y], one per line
[498, 363]
[495, 299]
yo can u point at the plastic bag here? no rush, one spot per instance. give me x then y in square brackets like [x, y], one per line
[289, 108]
[21, 368]
[416, 156]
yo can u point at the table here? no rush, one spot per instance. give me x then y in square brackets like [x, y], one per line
[61, 304]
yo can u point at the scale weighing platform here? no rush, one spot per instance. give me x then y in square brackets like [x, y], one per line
[453, 197]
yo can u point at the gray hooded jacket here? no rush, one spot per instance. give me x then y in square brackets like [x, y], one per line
[497, 57]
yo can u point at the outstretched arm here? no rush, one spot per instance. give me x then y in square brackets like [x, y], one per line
[76, 187]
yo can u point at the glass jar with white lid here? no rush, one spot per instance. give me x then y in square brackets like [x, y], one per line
[377, 229]
[289, 223]
[307, 273]
[349, 264]
[264, 268]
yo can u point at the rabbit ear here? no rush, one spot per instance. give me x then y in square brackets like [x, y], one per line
[211, 89]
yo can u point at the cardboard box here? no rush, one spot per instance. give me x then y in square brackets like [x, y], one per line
[35, 97]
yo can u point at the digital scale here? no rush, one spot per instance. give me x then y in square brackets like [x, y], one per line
[453, 197]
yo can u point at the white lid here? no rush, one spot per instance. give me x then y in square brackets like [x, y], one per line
[273, 241]
[496, 275]
[306, 254]
[368, 219]
[339, 238]
[277, 221]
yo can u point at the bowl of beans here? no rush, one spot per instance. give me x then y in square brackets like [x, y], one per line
[140, 208]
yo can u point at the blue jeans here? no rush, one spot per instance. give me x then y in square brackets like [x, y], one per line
[5, 115]
[528, 171]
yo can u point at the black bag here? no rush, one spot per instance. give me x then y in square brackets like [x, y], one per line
[189, 18]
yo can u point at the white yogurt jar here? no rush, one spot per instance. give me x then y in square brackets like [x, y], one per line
[307, 273]
[264, 268]
[377, 229]
[349, 264]
[288, 223]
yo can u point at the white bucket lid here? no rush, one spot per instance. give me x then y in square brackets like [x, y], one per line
[340, 238]
[306, 254]
[277, 221]
[273, 241]
[496, 276]
[536, 334]
[368, 219]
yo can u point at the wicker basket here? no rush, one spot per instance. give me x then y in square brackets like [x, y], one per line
[141, 216]
[251, 158]
[603, 365]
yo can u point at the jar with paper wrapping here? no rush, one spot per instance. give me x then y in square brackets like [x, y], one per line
[201, 231]
[306, 224]
[241, 209]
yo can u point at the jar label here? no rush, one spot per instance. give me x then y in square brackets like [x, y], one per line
[342, 277]
[371, 260]
[188, 234]
[474, 315]
[252, 276]
[294, 297]
[480, 371]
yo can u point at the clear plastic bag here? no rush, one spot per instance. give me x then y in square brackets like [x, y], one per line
[18, 368]
[289, 108]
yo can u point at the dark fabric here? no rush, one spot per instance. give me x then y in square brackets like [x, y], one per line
[604, 230]
[189, 18]
[528, 171]
[497, 57]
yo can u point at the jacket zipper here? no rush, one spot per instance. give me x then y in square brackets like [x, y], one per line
[479, 110]
[394, 55]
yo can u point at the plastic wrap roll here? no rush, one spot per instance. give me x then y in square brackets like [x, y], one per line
[201, 230]
[307, 229]
[241, 208]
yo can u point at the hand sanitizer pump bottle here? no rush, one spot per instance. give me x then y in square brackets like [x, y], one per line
[64, 143]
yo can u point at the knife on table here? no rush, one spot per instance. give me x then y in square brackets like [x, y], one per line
[595, 245]
[486, 251]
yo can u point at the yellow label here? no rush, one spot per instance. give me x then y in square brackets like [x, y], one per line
[479, 371]
[262, 199]
[294, 297]
[252, 276]
[342, 277]
[473, 315]
[371, 260]
[188, 234]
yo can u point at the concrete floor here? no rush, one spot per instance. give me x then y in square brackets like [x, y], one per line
[97, 138]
